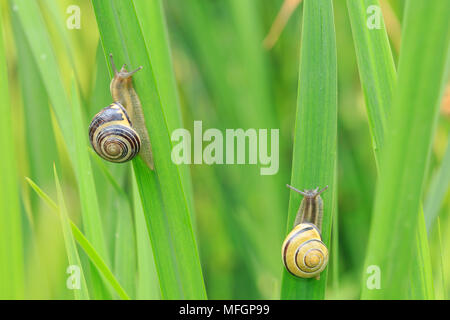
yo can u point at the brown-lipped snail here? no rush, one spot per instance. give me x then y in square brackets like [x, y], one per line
[303, 252]
[112, 136]
[118, 132]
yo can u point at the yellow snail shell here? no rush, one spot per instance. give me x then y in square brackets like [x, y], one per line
[304, 254]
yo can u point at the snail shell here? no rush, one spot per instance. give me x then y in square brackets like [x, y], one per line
[112, 136]
[304, 254]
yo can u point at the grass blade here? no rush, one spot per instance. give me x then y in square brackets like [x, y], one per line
[376, 68]
[147, 284]
[38, 39]
[314, 158]
[97, 260]
[38, 118]
[378, 78]
[71, 249]
[86, 185]
[42, 194]
[152, 20]
[11, 244]
[88, 195]
[87, 247]
[36, 33]
[437, 191]
[408, 141]
[421, 277]
[442, 269]
[125, 246]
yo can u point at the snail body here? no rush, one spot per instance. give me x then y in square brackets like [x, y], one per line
[118, 132]
[303, 252]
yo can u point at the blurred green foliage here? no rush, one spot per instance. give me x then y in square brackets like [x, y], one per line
[226, 78]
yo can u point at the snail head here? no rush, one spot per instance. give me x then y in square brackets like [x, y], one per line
[122, 73]
[310, 193]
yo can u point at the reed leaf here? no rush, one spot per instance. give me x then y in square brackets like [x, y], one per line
[11, 241]
[408, 143]
[378, 79]
[314, 158]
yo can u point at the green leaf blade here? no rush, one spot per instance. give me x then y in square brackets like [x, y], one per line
[378, 79]
[376, 67]
[408, 144]
[11, 243]
[84, 243]
[80, 293]
[314, 159]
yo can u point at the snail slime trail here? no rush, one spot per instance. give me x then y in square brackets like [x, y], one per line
[303, 252]
[252, 146]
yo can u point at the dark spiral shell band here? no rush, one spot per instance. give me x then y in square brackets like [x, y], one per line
[303, 252]
[112, 136]
[310, 269]
[127, 140]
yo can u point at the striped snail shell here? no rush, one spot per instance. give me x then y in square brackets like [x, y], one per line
[112, 136]
[303, 252]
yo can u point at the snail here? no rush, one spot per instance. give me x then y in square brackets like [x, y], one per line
[112, 135]
[303, 252]
[118, 132]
